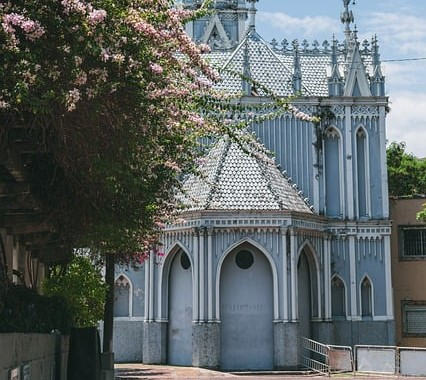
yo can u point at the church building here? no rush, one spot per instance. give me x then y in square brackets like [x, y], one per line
[268, 251]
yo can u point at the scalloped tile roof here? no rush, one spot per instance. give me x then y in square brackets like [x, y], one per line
[273, 68]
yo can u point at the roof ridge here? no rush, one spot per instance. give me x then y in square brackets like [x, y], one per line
[219, 168]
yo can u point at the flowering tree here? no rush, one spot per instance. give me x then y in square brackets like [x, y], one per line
[107, 93]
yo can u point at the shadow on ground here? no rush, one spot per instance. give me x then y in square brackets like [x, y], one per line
[140, 374]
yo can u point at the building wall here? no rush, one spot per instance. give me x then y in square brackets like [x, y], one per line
[409, 275]
[34, 356]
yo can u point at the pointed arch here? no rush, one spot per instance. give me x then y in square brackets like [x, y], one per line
[123, 296]
[366, 299]
[164, 274]
[272, 265]
[339, 306]
[315, 275]
[247, 307]
[333, 172]
[362, 170]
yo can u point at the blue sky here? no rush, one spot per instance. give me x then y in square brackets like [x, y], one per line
[401, 33]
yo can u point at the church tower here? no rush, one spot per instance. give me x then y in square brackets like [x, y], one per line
[222, 30]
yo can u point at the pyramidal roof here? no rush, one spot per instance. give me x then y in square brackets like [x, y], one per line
[231, 178]
[271, 67]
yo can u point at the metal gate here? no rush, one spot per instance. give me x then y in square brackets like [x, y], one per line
[326, 358]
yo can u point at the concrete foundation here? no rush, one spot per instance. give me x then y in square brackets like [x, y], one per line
[351, 333]
[286, 345]
[154, 342]
[206, 345]
[127, 341]
[323, 332]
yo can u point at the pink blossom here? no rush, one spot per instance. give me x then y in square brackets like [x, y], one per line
[32, 29]
[97, 16]
[72, 98]
[156, 68]
[76, 6]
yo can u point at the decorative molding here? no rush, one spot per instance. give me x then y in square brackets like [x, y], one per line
[365, 110]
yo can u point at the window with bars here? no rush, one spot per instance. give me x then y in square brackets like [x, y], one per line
[413, 242]
[414, 318]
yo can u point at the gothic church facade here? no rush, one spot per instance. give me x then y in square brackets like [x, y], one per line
[266, 253]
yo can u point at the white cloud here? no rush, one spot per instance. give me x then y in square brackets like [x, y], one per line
[307, 26]
[405, 33]
[407, 121]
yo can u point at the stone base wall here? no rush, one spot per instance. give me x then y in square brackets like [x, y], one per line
[206, 345]
[351, 333]
[154, 345]
[127, 340]
[286, 345]
[37, 356]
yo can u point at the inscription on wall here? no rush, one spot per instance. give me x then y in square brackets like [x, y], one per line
[243, 307]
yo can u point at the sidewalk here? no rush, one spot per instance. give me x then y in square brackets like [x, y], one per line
[137, 371]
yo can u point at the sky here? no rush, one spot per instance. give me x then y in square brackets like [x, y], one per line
[401, 33]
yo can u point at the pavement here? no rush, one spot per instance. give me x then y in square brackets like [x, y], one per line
[136, 371]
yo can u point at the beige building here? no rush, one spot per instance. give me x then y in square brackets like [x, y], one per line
[409, 271]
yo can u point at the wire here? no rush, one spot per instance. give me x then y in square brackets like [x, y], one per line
[404, 59]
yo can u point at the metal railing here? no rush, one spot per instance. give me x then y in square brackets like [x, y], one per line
[325, 358]
[405, 361]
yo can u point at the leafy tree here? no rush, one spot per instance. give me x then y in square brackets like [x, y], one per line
[81, 284]
[108, 108]
[107, 94]
[406, 173]
[421, 215]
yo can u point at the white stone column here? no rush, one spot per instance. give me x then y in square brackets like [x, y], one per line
[195, 276]
[353, 285]
[388, 277]
[284, 298]
[293, 275]
[327, 278]
[146, 299]
[210, 289]
[349, 165]
[151, 287]
[383, 170]
[201, 273]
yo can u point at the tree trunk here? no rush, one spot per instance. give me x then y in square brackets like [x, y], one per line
[107, 360]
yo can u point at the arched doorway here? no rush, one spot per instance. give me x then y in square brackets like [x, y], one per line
[246, 311]
[307, 291]
[180, 310]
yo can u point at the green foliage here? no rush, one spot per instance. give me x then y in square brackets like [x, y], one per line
[81, 284]
[406, 173]
[109, 111]
[25, 311]
[421, 215]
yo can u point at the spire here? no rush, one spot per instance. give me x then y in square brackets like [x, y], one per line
[252, 15]
[297, 70]
[246, 80]
[335, 83]
[377, 80]
[347, 17]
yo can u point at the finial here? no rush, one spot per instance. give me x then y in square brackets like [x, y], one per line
[347, 17]
[252, 15]
[246, 79]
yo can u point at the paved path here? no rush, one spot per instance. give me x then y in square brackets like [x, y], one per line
[160, 372]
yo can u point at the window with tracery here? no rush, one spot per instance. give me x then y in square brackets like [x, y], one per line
[366, 298]
[122, 297]
[338, 296]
